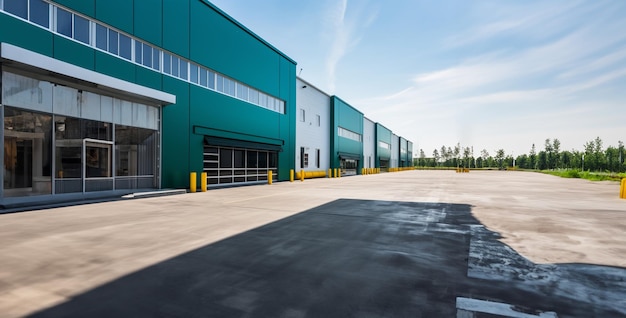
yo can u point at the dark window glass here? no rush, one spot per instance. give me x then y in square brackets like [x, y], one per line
[64, 22]
[220, 83]
[17, 7]
[167, 60]
[183, 69]
[203, 77]
[226, 158]
[40, 12]
[138, 53]
[193, 73]
[211, 80]
[81, 29]
[175, 62]
[27, 152]
[273, 160]
[262, 159]
[156, 59]
[101, 37]
[68, 148]
[147, 55]
[252, 159]
[240, 159]
[125, 47]
[96, 130]
[113, 48]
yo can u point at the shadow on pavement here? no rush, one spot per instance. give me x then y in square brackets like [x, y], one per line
[355, 258]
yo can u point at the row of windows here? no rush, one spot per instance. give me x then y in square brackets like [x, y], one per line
[384, 145]
[97, 35]
[342, 132]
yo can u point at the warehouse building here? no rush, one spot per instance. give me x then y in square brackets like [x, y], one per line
[312, 128]
[369, 140]
[121, 95]
[383, 147]
[347, 141]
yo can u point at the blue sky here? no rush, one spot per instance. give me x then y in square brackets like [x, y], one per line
[490, 74]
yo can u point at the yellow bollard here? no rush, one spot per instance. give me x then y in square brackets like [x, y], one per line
[192, 182]
[330, 173]
[301, 175]
[269, 176]
[335, 173]
[291, 175]
[623, 189]
[338, 173]
[203, 181]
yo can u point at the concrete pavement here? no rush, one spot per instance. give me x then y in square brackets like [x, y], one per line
[396, 244]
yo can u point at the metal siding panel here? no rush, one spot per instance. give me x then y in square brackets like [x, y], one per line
[25, 35]
[176, 137]
[116, 13]
[86, 7]
[176, 35]
[73, 53]
[148, 20]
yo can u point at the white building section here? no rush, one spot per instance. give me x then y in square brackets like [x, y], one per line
[312, 128]
[395, 151]
[369, 143]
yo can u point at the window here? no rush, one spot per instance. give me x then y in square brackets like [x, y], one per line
[384, 145]
[302, 115]
[342, 132]
[92, 33]
[18, 8]
[81, 29]
[102, 38]
[183, 69]
[64, 22]
[318, 120]
[40, 13]
[113, 35]
[167, 63]
[193, 73]
[302, 152]
[125, 47]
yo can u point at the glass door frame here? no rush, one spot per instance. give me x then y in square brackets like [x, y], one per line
[101, 144]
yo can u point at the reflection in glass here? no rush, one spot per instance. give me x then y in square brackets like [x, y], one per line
[27, 152]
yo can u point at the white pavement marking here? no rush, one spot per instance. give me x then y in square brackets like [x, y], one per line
[465, 306]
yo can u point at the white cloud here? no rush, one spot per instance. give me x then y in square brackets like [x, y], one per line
[541, 88]
[346, 23]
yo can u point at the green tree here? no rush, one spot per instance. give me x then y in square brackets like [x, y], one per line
[556, 148]
[532, 158]
[500, 158]
[549, 154]
[484, 154]
[435, 157]
[422, 158]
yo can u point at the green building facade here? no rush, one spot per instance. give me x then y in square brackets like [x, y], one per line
[383, 146]
[111, 95]
[347, 137]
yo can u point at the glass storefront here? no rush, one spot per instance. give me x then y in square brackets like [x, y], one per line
[59, 139]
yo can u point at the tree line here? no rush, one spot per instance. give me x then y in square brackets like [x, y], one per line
[593, 157]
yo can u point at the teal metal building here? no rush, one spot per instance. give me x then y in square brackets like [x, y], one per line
[116, 95]
[346, 143]
[383, 146]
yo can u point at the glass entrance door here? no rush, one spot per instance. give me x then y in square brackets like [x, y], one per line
[97, 166]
